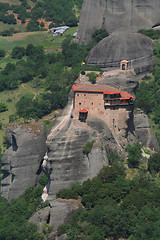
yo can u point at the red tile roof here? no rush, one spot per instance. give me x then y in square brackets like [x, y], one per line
[105, 89]
[83, 111]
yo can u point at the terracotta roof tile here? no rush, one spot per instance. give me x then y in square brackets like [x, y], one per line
[83, 111]
[105, 89]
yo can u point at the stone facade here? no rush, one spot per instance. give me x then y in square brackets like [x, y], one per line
[105, 102]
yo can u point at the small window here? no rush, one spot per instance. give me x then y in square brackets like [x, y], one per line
[92, 103]
[77, 94]
[84, 94]
[80, 103]
[99, 104]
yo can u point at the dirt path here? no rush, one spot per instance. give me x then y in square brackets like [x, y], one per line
[35, 94]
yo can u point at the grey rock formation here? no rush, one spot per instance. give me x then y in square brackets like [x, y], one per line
[21, 160]
[144, 132]
[120, 45]
[120, 14]
[127, 82]
[66, 162]
[59, 212]
[40, 217]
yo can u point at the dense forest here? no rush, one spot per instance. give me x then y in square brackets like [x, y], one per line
[14, 223]
[118, 204]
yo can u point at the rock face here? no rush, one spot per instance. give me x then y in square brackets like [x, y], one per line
[144, 132]
[21, 160]
[120, 14]
[67, 164]
[127, 82]
[134, 47]
[55, 215]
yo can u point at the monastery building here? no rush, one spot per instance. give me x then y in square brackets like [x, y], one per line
[102, 101]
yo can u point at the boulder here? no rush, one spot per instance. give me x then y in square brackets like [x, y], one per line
[127, 82]
[136, 48]
[40, 217]
[112, 15]
[22, 160]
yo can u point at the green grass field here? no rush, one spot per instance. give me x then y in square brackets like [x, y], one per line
[11, 1]
[20, 28]
[42, 38]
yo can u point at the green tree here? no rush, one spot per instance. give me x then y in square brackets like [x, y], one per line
[134, 155]
[92, 77]
[2, 53]
[3, 107]
[32, 26]
[99, 34]
[154, 163]
[88, 147]
[18, 52]
[108, 174]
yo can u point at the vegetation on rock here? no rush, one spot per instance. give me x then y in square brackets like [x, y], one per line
[148, 94]
[92, 77]
[99, 34]
[116, 207]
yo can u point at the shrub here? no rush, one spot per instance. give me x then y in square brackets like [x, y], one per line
[43, 180]
[62, 228]
[18, 52]
[108, 174]
[6, 33]
[2, 53]
[67, 194]
[134, 155]
[154, 163]
[32, 26]
[3, 107]
[88, 147]
[92, 77]
[83, 72]
[47, 124]
[154, 34]
[99, 34]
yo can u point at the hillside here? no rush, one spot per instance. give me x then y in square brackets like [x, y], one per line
[104, 168]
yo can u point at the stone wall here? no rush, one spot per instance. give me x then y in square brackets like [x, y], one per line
[117, 117]
[92, 102]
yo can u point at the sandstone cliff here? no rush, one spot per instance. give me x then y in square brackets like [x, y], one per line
[22, 160]
[120, 14]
